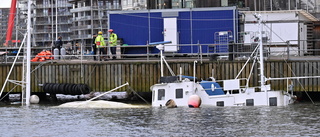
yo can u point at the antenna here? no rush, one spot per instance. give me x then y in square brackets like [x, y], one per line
[160, 46]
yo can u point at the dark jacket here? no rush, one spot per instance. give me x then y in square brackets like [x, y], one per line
[58, 43]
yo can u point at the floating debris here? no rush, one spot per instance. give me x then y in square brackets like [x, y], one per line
[100, 104]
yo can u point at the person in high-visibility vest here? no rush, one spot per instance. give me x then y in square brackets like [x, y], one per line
[112, 42]
[100, 44]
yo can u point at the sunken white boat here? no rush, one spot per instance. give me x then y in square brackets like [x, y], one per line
[192, 92]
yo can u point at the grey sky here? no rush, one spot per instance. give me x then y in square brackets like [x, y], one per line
[5, 4]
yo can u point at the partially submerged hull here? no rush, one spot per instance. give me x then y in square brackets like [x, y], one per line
[180, 92]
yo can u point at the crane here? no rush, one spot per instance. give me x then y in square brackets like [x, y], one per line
[11, 21]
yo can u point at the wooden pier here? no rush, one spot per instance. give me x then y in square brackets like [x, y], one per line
[141, 74]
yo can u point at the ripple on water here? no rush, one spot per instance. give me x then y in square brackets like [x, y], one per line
[44, 120]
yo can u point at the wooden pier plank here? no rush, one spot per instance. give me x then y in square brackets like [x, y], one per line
[105, 75]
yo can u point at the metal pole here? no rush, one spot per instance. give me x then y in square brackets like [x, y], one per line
[28, 84]
[108, 92]
[52, 40]
[14, 62]
[56, 4]
[161, 61]
[255, 5]
[289, 5]
[261, 52]
[191, 29]
[194, 75]
[17, 16]
[91, 13]
[288, 50]
[261, 67]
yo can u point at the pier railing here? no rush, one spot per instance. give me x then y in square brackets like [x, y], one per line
[290, 50]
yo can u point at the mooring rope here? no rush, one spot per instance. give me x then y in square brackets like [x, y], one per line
[138, 95]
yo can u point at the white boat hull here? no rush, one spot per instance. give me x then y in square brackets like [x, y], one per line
[166, 91]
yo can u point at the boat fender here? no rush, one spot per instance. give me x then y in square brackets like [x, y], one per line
[34, 99]
[171, 104]
[194, 101]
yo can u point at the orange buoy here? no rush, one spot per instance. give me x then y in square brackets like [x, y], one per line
[194, 101]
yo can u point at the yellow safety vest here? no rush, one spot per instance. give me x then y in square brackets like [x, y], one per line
[100, 42]
[113, 39]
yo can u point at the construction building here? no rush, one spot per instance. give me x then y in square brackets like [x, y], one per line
[4, 16]
[15, 29]
[77, 20]
[90, 17]
[52, 19]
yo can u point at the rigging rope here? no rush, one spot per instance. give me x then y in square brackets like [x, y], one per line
[138, 95]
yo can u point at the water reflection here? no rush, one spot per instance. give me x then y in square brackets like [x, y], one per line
[40, 120]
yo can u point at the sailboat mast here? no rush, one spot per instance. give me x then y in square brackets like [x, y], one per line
[262, 78]
[28, 84]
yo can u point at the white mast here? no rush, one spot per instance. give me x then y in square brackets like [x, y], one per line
[262, 77]
[28, 85]
[161, 47]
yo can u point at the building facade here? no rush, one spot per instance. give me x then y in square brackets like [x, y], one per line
[77, 20]
[4, 16]
[89, 17]
[52, 19]
[311, 6]
[17, 30]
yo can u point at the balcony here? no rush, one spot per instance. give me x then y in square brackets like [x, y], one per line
[81, 9]
[71, 1]
[66, 22]
[98, 27]
[41, 6]
[83, 18]
[86, 18]
[84, 27]
[43, 22]
[84, 36]
[43, 31]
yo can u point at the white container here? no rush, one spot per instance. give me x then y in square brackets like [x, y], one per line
[63, 53]
[56, 53]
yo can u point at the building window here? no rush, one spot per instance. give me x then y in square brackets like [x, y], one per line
[179, 93]
[161, 94]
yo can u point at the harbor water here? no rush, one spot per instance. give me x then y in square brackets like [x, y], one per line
[300, 119]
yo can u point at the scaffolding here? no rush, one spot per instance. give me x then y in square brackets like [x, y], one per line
[52, 19]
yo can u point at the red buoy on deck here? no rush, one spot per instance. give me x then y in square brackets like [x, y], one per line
[194, 101]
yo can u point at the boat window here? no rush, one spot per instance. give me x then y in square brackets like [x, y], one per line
[220, 103]
[161, 94]
[249, 102]
[273, 101]
[179, 93]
